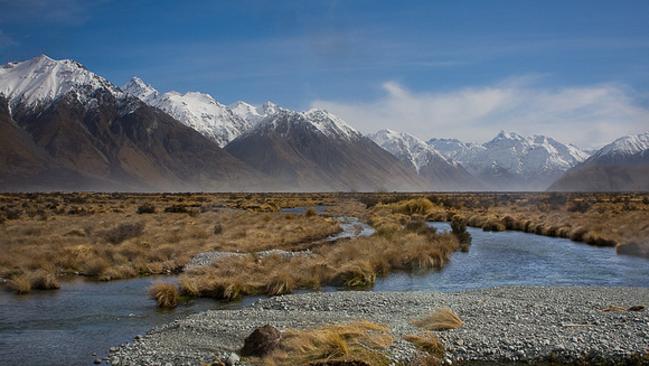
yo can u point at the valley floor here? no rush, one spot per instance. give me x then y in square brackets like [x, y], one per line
[558, 325]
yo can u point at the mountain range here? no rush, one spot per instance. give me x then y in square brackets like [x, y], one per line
[67, 128]
[622, 165]
[513, 162]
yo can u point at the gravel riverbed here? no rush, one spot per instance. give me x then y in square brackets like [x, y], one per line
[502, 325]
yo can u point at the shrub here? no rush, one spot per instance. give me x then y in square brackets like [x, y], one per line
[580, 206]
[458, 228]
[165, 294]
[11, 213]
[310, 212]
[146, 208]
[218, 229]
[440, 319]
[420, 206]
[123, 232]
[176, 209]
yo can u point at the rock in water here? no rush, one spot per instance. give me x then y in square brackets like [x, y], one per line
[261, 341]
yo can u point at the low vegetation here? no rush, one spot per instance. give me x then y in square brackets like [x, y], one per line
[440, 319]
[427, 342]
[116, 236]
[165, 294]
[350, 264]
[360, 341]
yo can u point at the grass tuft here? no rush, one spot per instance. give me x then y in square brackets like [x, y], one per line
[427, 342]
[440, 319]
[165, 294]
[20, 284]
[359, 341]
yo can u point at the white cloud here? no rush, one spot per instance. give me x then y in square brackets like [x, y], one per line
[589, 116]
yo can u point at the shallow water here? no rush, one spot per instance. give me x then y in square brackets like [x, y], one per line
[66, 326]
[518, 258]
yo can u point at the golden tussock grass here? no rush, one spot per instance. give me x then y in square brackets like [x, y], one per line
[165, 294]
[427, 342]
[351, 264]
[440, 319]
[601, 219]
[37, 280]
[117, 236]
[359, 341]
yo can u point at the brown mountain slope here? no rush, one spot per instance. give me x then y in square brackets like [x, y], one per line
[131, 146]
[289, 147]
[632, 175]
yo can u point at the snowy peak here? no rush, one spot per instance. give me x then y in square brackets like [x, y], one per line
[510, 157]
[252, 114]
[408, 148]
[197, 110]
[138, 88]
[42, 80]
[331, 125]
[625, 146]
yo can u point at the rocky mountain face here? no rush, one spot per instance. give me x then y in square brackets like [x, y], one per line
[622, 165]
[197, 110]
[317, 151]
[71, 129]
[513, 162]
[443, 174]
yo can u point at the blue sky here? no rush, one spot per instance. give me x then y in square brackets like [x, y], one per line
[356, 56]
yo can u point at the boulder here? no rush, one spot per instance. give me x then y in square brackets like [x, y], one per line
[261, 341]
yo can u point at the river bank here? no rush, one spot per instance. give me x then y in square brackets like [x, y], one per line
[507, 324]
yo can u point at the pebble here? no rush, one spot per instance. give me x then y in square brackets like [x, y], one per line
[559, 322]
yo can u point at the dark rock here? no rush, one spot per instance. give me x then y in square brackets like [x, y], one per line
[261, 341]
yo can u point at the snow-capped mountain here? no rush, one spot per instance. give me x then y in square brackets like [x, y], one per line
[624, 147]
[512, 161]
[408, 148]
[316, 150]
[197, 110]
[37, 82]
[138, 88]
[442, 172]
[66, 128]
[251, 113]
[622, 165]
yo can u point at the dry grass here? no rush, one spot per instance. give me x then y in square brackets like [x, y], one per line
[165, 294]
[358, 341]
[427, 342]
[440, 319]
[351, 264]
[37, 280]
[102, 236]
[20, 284]
[601, 219]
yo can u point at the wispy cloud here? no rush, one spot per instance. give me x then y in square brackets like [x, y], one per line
[588, 116]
